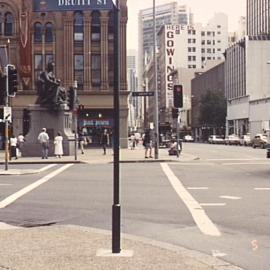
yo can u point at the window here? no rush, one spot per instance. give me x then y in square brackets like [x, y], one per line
[203, 33]
[203, 42]
[78, 26]
[1, 24]
[111, 27]
[48, 32]
[8, 28]
[79, 70]
[96, 69]
[203, 50]
[38, 32]
[208, 42]
[218, 26]
[38, 65]
[95, 31]
[48, 59]
[208, 50]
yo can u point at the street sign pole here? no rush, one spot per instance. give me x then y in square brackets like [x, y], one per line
[75, 115]
[116, 208]
[6, 123]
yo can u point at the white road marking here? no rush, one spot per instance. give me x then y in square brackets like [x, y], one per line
[212, 204]
[217, 253]
[47, 167]
[201, 219]
[5, 226]
[230, 197]
[12, 198]
[262, 188]
[197, 188]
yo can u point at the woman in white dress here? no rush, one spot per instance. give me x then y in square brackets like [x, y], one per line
[58, 145]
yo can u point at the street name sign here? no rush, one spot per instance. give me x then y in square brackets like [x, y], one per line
[143, 94]
[7, 114]
[65, 5]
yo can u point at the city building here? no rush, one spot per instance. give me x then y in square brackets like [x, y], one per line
[247, 86]
[211, 80]
[80, 40]
[258, 17]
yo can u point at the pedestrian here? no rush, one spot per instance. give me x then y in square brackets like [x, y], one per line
[132, 142]
[104, 140]
[147, 143]
[13, 147]
[43, 138]
[20, 144]
[82, 141]
[58, 145]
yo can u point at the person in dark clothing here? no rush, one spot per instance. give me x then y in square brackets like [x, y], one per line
[104, 140]
[147, 143]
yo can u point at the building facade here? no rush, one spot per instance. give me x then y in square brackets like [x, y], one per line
[258, 17]
[247, 86]
[80, 41]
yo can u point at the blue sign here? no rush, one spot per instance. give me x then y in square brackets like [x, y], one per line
[65, 5]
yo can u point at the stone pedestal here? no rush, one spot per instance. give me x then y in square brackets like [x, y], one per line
[53, 121]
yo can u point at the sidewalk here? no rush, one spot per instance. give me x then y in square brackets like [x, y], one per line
[95, 156]
[74, 247]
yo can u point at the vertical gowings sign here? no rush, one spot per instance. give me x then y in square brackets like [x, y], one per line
[25, 47]
[64, 5]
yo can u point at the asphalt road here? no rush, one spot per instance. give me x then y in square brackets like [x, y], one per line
[218, 204]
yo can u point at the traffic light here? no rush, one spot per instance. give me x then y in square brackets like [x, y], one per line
[12, 80]
[174, 113]
[178, 96]
[71, 98]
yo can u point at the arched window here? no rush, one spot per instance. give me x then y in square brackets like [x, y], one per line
[38, 32]
[95, 31]
[48, 32]
[1, 24]
[78, 26]
[9, 23]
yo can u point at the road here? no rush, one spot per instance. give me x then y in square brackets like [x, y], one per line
[217, 204]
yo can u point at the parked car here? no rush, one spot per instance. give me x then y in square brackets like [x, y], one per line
[215, 139]
[188, 138]
[232, 140]
[245, 140]
[259, 140]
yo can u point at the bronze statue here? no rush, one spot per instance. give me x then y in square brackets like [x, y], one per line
[50, 93]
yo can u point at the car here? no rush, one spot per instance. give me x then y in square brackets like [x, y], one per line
[259, 140]
[268, 150]
[232, 140]
[245, 140]
[188, 138]
[215, 139]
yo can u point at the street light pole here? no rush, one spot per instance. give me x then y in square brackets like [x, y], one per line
[75, 114]
[155, 83]
[116, 208]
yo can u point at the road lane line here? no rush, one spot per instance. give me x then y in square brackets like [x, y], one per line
[197, 188]
[201, 219]
[230, 197]
[47, 167]
[12, 198]
[212, 204]
[261, 188]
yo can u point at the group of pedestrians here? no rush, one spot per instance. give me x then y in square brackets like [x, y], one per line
[16, 145]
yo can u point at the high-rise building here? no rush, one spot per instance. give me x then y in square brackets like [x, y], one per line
[171, 13]
[258, 17]
[79, 39]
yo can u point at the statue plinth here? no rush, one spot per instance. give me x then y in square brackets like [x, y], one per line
[53, 121]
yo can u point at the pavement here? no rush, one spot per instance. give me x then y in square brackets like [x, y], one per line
[68, 247]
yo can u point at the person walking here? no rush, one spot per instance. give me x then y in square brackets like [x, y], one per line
[13, 147]
[147, 143]
[43, 138]
[104, 140]
[82, 141]
[20, 144]
[58, 145]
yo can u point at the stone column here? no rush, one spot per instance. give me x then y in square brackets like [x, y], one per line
[68, 49]
[87, 51]
[104, 18]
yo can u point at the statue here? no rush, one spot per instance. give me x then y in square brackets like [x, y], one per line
[50, 93]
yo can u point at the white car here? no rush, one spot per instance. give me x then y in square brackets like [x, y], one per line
[215, 139]
[188, 138]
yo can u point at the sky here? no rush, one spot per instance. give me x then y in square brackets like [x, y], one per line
[203, 10]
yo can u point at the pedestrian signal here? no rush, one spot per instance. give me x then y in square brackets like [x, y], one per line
[178, 96]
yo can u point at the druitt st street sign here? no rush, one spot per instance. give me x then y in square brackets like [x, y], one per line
[65, 5]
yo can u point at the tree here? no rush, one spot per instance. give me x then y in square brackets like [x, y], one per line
[213, 109]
